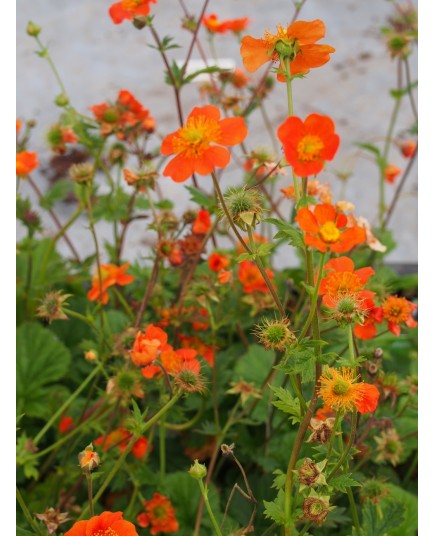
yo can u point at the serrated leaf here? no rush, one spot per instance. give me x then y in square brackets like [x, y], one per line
[392, 516]
[57, 192]
[41, 360]
[369, 147]
[200, 198]
[287, 403]
[279, 481]
[275, 509]
[246, 257]
[287, 232]
[398, 93]
[342, 482]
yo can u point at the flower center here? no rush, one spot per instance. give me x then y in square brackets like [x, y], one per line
[329, 232]
[342, 283]
[309, 148]
[341, 387]
[160, 512]
[396, 309]
[193, 139]
[106, 532]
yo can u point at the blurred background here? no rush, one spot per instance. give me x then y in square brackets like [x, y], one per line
[96, 59]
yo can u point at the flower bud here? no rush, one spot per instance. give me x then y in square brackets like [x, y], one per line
[82, 172]
[140, 21]
[244, 206]
[88, 459]
[33, 29]
[198, 470]
[316, 508]
[310, 474]
[61, 100]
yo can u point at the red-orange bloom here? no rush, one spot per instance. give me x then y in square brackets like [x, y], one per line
[192, 143]
[202, 223]
[197, 344]
[126, 114]
[391, 172]
[127, 9]
[148, 345]
[342, 279]
[308, 145]
[110, 275]
[106, 524]
[214, 25]
[373, 315]
[408, 148]
[398, 311]
[251, 278]
[323, 227]
[159, 514]
[26, 162]
[296, 41]
[217, 262]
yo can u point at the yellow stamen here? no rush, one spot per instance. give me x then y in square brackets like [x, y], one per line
[329, 232]
[192, 140]
[309, 148]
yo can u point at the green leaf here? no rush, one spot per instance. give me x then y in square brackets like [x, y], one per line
[391, 517]
[287, 403]
[200, 198]
[57, 192]
[287, 232]
[409, 509]
[275, 509]
[22, 532]
[342, 482]
[212, 69]
[371, 148]
[398, 93]
[41, 360]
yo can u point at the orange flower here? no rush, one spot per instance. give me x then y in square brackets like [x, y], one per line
[140, 448]
[202, 223]
[106, 524]
[251, 278]
[339, 390]
[127, 9]
[58, 136]
[342, 279]
[18, 125]
[26, 162]
[308, 145]
[110, 275]
[125, 115]
[148, 345]
[296, 41]
[159, 514]
[118, 437]
[217, 262]
[373, 315]
[398, 311]
[65, 424]
[192, 143]
[214, 25]
[314, 188]
[391, 173]
[408, 148]
[197, 344]
[323, 229]
[224, 276]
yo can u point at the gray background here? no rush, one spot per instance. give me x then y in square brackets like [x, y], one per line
[97, 58]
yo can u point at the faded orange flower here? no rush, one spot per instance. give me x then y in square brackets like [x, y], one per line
[251, 278]
[307, 145]
[110, 275]
[218, 262]
[148, 345]
[26, 162]
[398, 311]
[391, 173]
[197, 146]
[295, 42]
[202, 223]
[214, 25]
[159, 515]
[127, 9]
[314, 188]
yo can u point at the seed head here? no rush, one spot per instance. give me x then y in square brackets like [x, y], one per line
[51, 307]
[244, 206]
[275, 334]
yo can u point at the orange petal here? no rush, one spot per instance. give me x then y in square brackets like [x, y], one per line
[341, 264]
[179, 168]
[369, 397]
[307, 32]
[233, 130]
[213, 157]
[309, 57]
[365, 331]
[167, 145]
[118, 14]
[254, 53]
[325, 213]
[210, 111]
[307, 221]
[315, 242]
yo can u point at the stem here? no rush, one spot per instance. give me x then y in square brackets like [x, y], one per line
[89, 493]
[351, 345]
[316, 290]
[124, 303]
[344, 456]
[66, 404]
[258, 262]
[27, 513]
[204, 492]
[162, 445]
